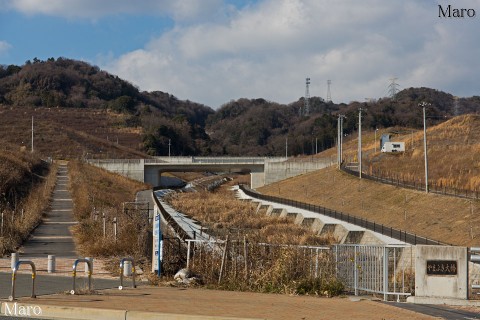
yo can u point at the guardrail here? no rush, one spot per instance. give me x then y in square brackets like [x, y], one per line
[122, 262]
[172, 222]
[401, 235]
[90, 269]
[14, 277]
[475, 257]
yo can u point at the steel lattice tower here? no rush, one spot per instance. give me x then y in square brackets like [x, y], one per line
[393, 88]
[456, 108]
[306, 107]
[329, 94]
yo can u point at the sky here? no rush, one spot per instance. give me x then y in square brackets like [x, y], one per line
[215, 51]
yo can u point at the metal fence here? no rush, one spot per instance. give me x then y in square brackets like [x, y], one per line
[401, 235]
[253, 265]
[386, 270]
[398, 181]
[370, 269]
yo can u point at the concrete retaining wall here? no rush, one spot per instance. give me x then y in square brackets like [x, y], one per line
[277, 171]
[133, 169]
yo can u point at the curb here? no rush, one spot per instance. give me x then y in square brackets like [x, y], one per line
[17, 309]
[443, 301]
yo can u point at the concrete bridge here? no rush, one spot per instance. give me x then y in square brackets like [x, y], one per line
[263, 171]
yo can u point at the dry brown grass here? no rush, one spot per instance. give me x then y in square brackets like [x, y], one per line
[96, 190]
[454, 160]
[26, 185]
[245, 261]
[66, 133]
[222, 214]
[453, 153]
[448, 219]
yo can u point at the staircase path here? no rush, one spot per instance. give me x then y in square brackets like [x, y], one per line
[53, 235]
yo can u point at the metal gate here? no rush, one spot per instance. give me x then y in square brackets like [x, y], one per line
[386, 270]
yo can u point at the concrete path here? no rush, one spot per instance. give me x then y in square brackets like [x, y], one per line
[53, 236]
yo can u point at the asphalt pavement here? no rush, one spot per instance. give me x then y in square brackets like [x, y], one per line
[47, 285]
[441, 311]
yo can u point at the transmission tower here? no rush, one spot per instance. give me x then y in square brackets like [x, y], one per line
[306, 107]
[456, 110]
[329, 94]
[393, 88]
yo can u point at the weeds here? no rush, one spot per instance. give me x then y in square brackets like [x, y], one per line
[26, 185]
[98, 197]
[222, 214]
[261, 253]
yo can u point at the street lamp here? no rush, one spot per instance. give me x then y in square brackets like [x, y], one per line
[423, 105]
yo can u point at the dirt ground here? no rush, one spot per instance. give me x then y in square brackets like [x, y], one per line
[204, 302]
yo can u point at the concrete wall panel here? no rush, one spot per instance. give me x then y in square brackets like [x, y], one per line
[441, 286]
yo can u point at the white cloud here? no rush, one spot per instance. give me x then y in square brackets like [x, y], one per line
[268, 48]
[94, 9]
[217, 52]
[4, 47]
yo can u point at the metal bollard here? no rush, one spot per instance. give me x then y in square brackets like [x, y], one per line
[90, 268]
[86, 265]
[14, 277]
[14, 260]
[127, 268]
[122, 264]
[51, 263]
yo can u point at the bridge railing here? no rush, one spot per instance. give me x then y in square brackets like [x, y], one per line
[216, 160]
[113, 161]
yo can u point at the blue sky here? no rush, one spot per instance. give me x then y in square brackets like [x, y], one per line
[213, 51]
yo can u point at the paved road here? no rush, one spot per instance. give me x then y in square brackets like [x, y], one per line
[53, 236]
[441, 311]
[46, 285]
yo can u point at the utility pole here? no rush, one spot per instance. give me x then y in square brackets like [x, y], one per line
[360, 143]
[423, 105]
[340, 139]
[286, 148]
[375, 141]
[338, 142]
[32, 134]
[169, 144]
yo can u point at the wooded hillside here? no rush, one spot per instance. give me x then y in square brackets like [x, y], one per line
[242, 127]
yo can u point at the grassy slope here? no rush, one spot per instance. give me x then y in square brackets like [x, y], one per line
[93, 187]
[71, 133]
[453, 157]
[25, 186]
